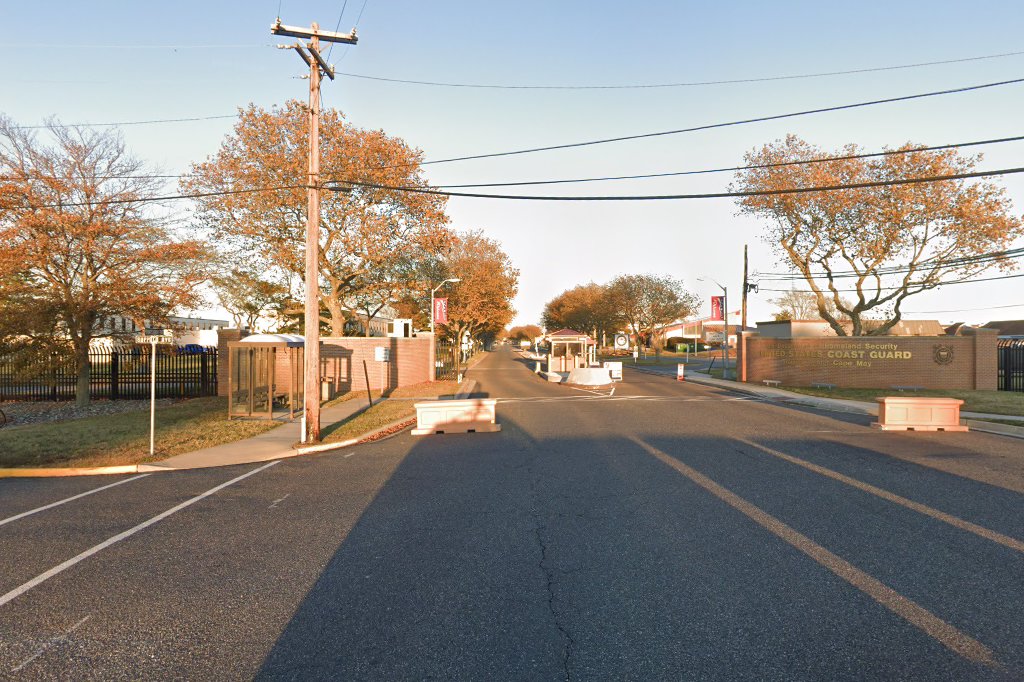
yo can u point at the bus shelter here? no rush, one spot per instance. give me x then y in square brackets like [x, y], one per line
[569, 349]
[265, 370]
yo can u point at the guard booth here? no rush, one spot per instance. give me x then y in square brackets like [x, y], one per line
[569, 350]
[264, 371]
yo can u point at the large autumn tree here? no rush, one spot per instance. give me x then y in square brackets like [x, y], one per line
[481, 303]
[588, 308]
[81, 240]
[864, 251]
[363, 230]
[647, 302]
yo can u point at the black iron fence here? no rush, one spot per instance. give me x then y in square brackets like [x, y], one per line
[115, 374]
[450, 359]
[1011, 364]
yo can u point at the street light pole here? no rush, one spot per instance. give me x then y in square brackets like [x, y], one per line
[725, 324]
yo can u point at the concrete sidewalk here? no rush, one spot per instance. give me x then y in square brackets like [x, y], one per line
[273, 444]
[836, 404]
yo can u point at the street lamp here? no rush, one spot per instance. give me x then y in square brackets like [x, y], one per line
[725, 325]
[434, 291]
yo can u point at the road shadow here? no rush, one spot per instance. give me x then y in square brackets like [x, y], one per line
[536, 554]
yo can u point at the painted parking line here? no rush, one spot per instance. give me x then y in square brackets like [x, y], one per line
[955, 521]
[79, 496]
[949, 636]
[43, 577]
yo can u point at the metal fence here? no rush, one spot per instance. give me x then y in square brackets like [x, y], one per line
[115, 374]
[1011, 364]
[450, 360]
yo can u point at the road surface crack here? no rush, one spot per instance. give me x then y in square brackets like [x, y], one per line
[549, 575]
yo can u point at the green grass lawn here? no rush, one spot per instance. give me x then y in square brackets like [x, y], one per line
[993, 402]
[399, 405]
[116, 439]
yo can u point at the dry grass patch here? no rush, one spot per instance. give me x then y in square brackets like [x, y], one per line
[110, 440]
[992, 402]
[398, 405]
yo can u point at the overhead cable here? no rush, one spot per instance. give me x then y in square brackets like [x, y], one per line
[668, 197]
[688, 84]
[712, 126]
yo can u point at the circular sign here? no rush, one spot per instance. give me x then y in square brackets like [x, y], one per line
[943, 354]
[622, 341]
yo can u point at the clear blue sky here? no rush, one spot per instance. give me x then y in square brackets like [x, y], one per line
[88, 62]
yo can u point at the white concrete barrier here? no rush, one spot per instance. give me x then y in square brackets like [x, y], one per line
[919, 414]
[589, 376]
[474, 415]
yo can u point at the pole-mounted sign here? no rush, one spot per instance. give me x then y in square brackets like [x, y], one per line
[441, 310]
[717, 307]
[154, 340]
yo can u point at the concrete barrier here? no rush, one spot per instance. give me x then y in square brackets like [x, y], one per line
[589, 376]
[474, 415]
[919, 414]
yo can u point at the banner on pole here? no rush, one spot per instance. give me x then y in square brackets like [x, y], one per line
[441, 311]
[717, 306]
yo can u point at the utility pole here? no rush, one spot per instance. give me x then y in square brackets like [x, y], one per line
[743, 320]
[310, 54]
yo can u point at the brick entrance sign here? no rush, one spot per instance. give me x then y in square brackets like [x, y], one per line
[943, 362]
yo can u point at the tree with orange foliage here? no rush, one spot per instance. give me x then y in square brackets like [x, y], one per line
[880, 244]
[364, 230]
[79, 241]
[481, 303]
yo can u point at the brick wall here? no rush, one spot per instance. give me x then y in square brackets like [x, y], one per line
[349, 361]
[224, 336]
[943, 362]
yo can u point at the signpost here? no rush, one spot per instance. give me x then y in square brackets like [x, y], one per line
[621, 341]
[154, 340]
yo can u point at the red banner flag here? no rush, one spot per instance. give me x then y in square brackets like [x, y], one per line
[717, 306]
[441, 311]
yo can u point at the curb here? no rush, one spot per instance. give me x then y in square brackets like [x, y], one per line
[994, 427]
[979, 425]
[465, 389]
[56, 472]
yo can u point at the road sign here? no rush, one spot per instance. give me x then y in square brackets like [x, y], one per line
[680, 372]
[621, 341]
[154, 340]
[714, 337]
[614, 370]
[382, 354]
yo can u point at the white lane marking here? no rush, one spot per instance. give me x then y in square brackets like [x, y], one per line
[30, 512]
[42, 577]
[611, 392]
[50, 643]
[278, 501]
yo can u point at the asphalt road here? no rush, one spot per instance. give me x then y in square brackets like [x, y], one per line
[661, 531]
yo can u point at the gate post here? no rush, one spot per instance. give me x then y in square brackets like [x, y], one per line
[114, 372]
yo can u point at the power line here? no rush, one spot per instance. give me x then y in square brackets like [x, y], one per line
[895, 269]
[418, 190]
[944, 284]
[169, 197]
[823, 159]
[126, 123]
[643, 86]
[964, 310]
[666, 197]
[336, 26]
[711, 126]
